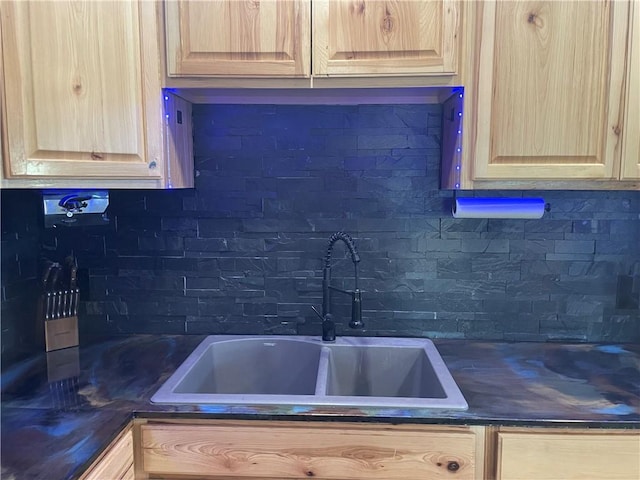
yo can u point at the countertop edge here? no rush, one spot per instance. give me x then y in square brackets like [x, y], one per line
[337, 417]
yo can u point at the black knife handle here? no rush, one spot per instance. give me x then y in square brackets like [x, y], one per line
[49, 306]
[73, 277]
[76, 301]
[55, 275]
[46, 273]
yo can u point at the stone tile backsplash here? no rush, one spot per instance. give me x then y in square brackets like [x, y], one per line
[241, 253]
[20, 248]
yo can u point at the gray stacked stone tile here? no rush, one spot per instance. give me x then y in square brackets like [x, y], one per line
[243, 251]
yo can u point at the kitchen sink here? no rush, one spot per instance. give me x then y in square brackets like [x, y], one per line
[382, 372]
[253, 366]
[378, 372]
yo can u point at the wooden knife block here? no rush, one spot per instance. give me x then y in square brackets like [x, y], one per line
[61, 333]
[63, 364]
[56, 333]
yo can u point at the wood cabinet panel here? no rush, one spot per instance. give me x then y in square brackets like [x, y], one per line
[3, 113]
[549, 96]
[631, 130]
[281, 450]
[74, 90]
[117, 461]
[84, 104]
[571, 454]
[232, 38]
[385, 38]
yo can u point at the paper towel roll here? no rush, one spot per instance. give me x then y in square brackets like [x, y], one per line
[498, 207]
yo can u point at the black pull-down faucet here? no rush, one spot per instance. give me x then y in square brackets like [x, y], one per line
[328, 325]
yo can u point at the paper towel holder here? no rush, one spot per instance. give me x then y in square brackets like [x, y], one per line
[499, 207]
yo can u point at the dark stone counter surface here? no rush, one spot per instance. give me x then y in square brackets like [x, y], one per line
[59, 412]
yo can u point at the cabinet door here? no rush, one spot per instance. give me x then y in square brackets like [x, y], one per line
[238, 38]
[116, 463]
[377, 37]
[3, 115]
[82, 90]
[550, 80]
[631, 130]
[255, 449]
[610, 455]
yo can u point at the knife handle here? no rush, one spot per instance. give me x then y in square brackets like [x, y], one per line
[54, 301]
[47, 310]
[73, 276]
[71, 265]
[55, 274]
[70, 305]
[58, 313]
[70, 311]
[65, 303]
[47, 271]
[74, 301]
[58, 309]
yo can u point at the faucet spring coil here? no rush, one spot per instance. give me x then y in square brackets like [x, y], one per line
[346, 238]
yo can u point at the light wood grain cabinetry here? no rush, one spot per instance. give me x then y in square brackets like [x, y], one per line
[385, 38]
[225, 449]
[3, 134]
[549, 98]
[231, 38]
[84, 105]
[275, 38]
[555, 453]
[116, 462]
[631, 131]
[323, 450]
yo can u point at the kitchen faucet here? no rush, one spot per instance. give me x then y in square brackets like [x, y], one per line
[328, 325]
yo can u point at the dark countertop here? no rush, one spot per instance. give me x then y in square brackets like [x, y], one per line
[56, 417]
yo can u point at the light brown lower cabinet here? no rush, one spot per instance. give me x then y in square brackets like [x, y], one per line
[320, 450]
[556, 453]
[116, 462]
[261, 449]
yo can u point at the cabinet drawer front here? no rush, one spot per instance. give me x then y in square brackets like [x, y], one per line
[340, 451]
[568, 455]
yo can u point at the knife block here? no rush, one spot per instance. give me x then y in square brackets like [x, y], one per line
[63, 365]
[61, 333]
[63, 372]
[57, 327]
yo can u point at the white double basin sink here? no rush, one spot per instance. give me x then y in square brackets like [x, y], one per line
[365, 372]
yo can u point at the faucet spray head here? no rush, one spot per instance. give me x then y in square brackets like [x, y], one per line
[356, 310]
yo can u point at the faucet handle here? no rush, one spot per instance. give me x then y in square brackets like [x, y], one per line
[328, 326]
[328, 329]
[317, 312]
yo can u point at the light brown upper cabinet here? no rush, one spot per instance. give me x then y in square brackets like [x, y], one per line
[378, 37]
[84, 105]
[275, 38]
[238, 38]
[549, 99]
[631, 130]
